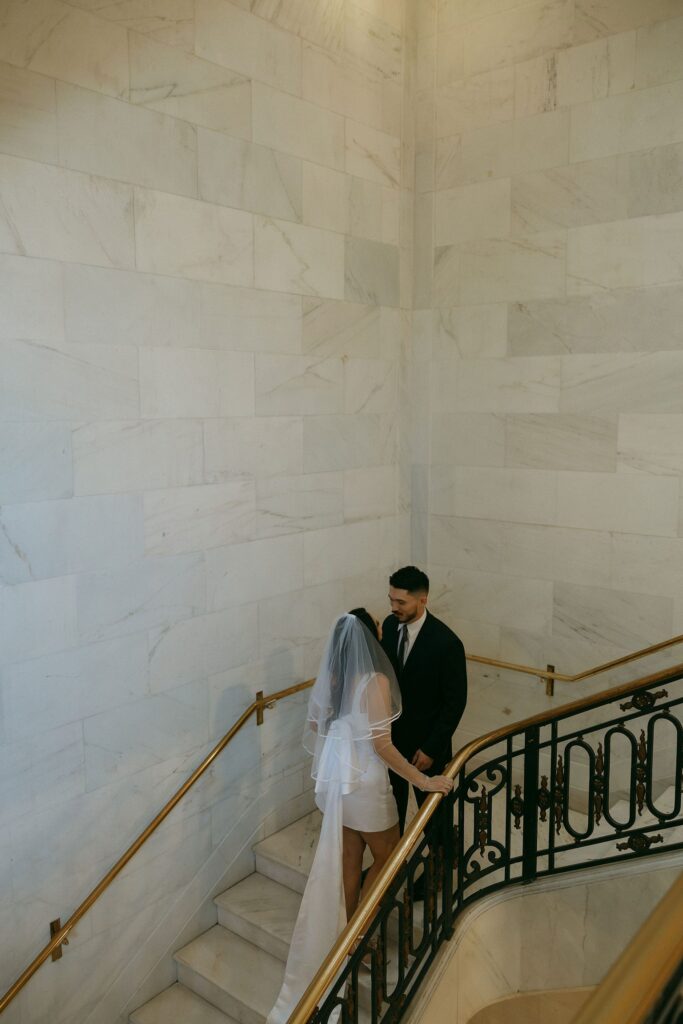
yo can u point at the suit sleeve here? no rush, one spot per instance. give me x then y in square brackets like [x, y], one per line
[452, 697]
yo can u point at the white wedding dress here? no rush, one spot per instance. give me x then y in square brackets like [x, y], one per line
[353, 789]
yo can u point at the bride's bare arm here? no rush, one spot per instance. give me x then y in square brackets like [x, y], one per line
[380, 710]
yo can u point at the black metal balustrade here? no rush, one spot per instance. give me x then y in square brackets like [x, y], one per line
[587, 787]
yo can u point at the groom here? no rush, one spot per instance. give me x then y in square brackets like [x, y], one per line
[429, 660]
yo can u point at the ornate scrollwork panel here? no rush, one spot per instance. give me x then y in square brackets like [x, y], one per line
[639, 842]
[654, 738]
[575, 745]
[621, 733]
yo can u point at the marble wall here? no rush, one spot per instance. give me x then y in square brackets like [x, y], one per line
[205, 287]
[548, 301]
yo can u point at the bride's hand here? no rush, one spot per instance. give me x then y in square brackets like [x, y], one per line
[437, 784]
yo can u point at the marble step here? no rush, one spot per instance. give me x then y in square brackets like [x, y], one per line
[232, 974]
[261, 911]
[178, 1005]
[286, 856]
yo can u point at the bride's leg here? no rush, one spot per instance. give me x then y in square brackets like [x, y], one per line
[353, 848]
[381, 844]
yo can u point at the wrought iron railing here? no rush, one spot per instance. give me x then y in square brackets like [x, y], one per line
[596, 782]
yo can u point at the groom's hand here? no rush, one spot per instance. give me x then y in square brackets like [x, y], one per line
[422, 761]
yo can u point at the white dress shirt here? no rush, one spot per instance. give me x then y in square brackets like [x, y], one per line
[413, 628]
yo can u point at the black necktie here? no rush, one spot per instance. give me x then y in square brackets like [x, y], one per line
[402, 644]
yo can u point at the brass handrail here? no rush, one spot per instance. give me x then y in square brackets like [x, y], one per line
[630, 989]
[257, 707]
[59, 937]
[363, 916]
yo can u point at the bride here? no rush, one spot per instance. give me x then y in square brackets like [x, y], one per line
[353, 702]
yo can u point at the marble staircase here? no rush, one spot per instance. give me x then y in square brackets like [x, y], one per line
[231, 974]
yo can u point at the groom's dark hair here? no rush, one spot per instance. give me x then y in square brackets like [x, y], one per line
[410, 578]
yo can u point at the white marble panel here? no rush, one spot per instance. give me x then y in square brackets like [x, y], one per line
[241, 42]
[58, 689]
[562, 441]
[371, 43]
[536, 85]
[630, 253]
[39, 382]
[468, 439]
[28, 116]
[499, 150]
[620, 502]
[342, 328]
[56, 538]
[627, 620]
[450, 56]
[638, 320]
[637, 382]
[153, 593]
[196, 382]
[187, 238]
[508, 37]
[242, 319]
[198, 518]
[552, 553]
[169, 21]
[236, 173]
[298, 385]
[460, 543]
[651, 444]
[647, 565]
[473, 211]
[502, 385]
[291, 125]
[54, 213]
[321, 23]
[37, 618]
[583, 193]
[370, 385]
[332, 82]
[372, 154]
[371, 272]
[427, 288]
[61, 42]
[202, 646]
[300, 621]
[152, 150]
[596, 70]
[496, 270]
[471, 331]
[475, 102]
[369, 493]
[176, 83]
[658, 53]
[501, 600]
[122, 741]
[35, 462]
[295, 258]
[663, 165]
[252, 447]
[629, 122]
[326, 198]
[118, 307]
[595, 18]
[133, 456]
[250, 572]
[341, 551]
[347, 442]
[513, 495]
[39, 772]
[31, 302]
[374, 211]
[293, 504]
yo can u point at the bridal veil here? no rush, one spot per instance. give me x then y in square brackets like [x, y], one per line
[353, 702]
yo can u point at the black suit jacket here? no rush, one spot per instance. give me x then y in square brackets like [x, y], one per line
[433, 685]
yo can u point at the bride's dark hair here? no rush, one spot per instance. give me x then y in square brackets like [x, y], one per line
[366, 618]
